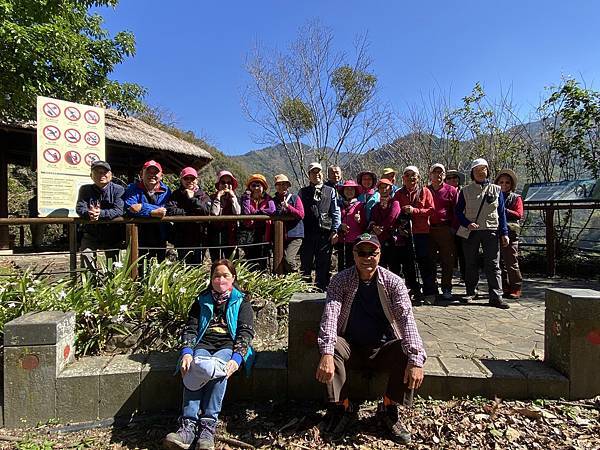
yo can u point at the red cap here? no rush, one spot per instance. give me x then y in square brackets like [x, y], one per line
[187, 171]
[152, 163]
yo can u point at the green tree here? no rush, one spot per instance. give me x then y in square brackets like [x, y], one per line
[59, 49]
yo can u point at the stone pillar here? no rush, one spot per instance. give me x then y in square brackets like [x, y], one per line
[572, 338]
[37, 346]
[303, 354]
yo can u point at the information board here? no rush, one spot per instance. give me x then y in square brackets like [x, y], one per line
[562, 191]
[70, 137]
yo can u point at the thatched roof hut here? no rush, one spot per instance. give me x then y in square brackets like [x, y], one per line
[129, 142]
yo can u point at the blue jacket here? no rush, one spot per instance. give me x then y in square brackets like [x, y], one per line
[136, 193]
[206, 310]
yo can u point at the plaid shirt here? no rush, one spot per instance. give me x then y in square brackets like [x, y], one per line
[396, 306]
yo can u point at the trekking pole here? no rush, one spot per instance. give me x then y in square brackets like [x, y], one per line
[414, 253]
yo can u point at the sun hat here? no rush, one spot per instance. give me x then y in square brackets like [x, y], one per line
[281, 178]
[367, 238]
[315, 165]
[103, 164]
[436, 166]
[187, 171]
[460, 175]
[414, 169]
[223, 173]
[509, 173]
[152, 163]
[202, 370]
[366, 172]
[479, 162]
[385, 181]
[350, 183]
[388, 171]
[257, 177]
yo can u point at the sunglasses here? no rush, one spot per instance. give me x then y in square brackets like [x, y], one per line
[367, 253]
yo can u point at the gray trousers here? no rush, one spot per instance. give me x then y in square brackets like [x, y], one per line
[292, 247]
[489, 241]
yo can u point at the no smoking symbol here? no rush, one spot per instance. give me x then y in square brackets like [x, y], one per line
[51, 109]
[51, 132]
[72, 113]
[72, 135]
[91, 117]
[92, 138]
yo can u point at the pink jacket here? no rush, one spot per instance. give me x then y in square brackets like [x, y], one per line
[349, 213]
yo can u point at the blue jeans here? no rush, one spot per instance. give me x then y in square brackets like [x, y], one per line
[205, 403]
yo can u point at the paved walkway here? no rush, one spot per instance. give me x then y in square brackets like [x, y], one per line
[479, 331]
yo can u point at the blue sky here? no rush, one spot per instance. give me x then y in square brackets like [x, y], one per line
[190, 54]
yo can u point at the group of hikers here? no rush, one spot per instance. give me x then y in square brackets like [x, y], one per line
[421, 223]
[388, 240]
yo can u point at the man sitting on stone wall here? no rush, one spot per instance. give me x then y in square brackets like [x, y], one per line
[368, 323]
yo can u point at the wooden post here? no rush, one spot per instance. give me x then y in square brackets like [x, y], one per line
[73, 250]
[3, 199]
[134, 250]
[278, 248]
[550, 243]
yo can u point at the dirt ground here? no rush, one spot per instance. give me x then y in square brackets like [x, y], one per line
[456, 424]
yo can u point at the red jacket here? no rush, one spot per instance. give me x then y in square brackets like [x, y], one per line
[422, 202]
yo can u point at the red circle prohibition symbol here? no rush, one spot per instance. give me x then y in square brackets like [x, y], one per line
[90, 158]
[72, 135]
[52, 155]
[72, 157]
[92, 138]
[91, 117]
[51, 109]
[72, 113]
[51, 132]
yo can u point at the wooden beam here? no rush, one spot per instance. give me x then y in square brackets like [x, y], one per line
[3, 198]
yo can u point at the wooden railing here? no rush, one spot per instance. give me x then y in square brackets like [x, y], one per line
[131, 226]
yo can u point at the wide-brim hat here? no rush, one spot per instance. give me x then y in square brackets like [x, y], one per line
[281, 178]
[388, 171]
[366, 172]
[202, 370]
[350, 183]
[509, 173]
[257, 177]
[221, 174]
[460, 175]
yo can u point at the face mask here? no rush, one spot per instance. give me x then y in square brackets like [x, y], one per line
[222, 284]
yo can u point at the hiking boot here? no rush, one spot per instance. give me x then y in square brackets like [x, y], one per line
[499, 303]
[515, 295]
[391, 419]
[183, 437]
[430, 299]
[338, 420]
[206, 435]
[447, 295]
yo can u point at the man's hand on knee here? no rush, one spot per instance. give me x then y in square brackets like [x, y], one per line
[326, 369]
[413, 375]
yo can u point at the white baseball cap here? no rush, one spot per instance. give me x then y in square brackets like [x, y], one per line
[479, 162]
[436, 166]
[414, 169]
[315, 165]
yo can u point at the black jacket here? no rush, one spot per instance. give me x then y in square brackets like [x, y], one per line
[188, 234]
[111, 206]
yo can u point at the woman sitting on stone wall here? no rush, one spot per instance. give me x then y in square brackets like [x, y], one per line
[216, 340]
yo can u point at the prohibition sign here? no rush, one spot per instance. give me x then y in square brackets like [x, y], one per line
[52, 155]
[51, 110]
[73, 136]
[72, 157]
[91, 117]
[51, 132]
[92, 138]
[91, 158]
[72, 113]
